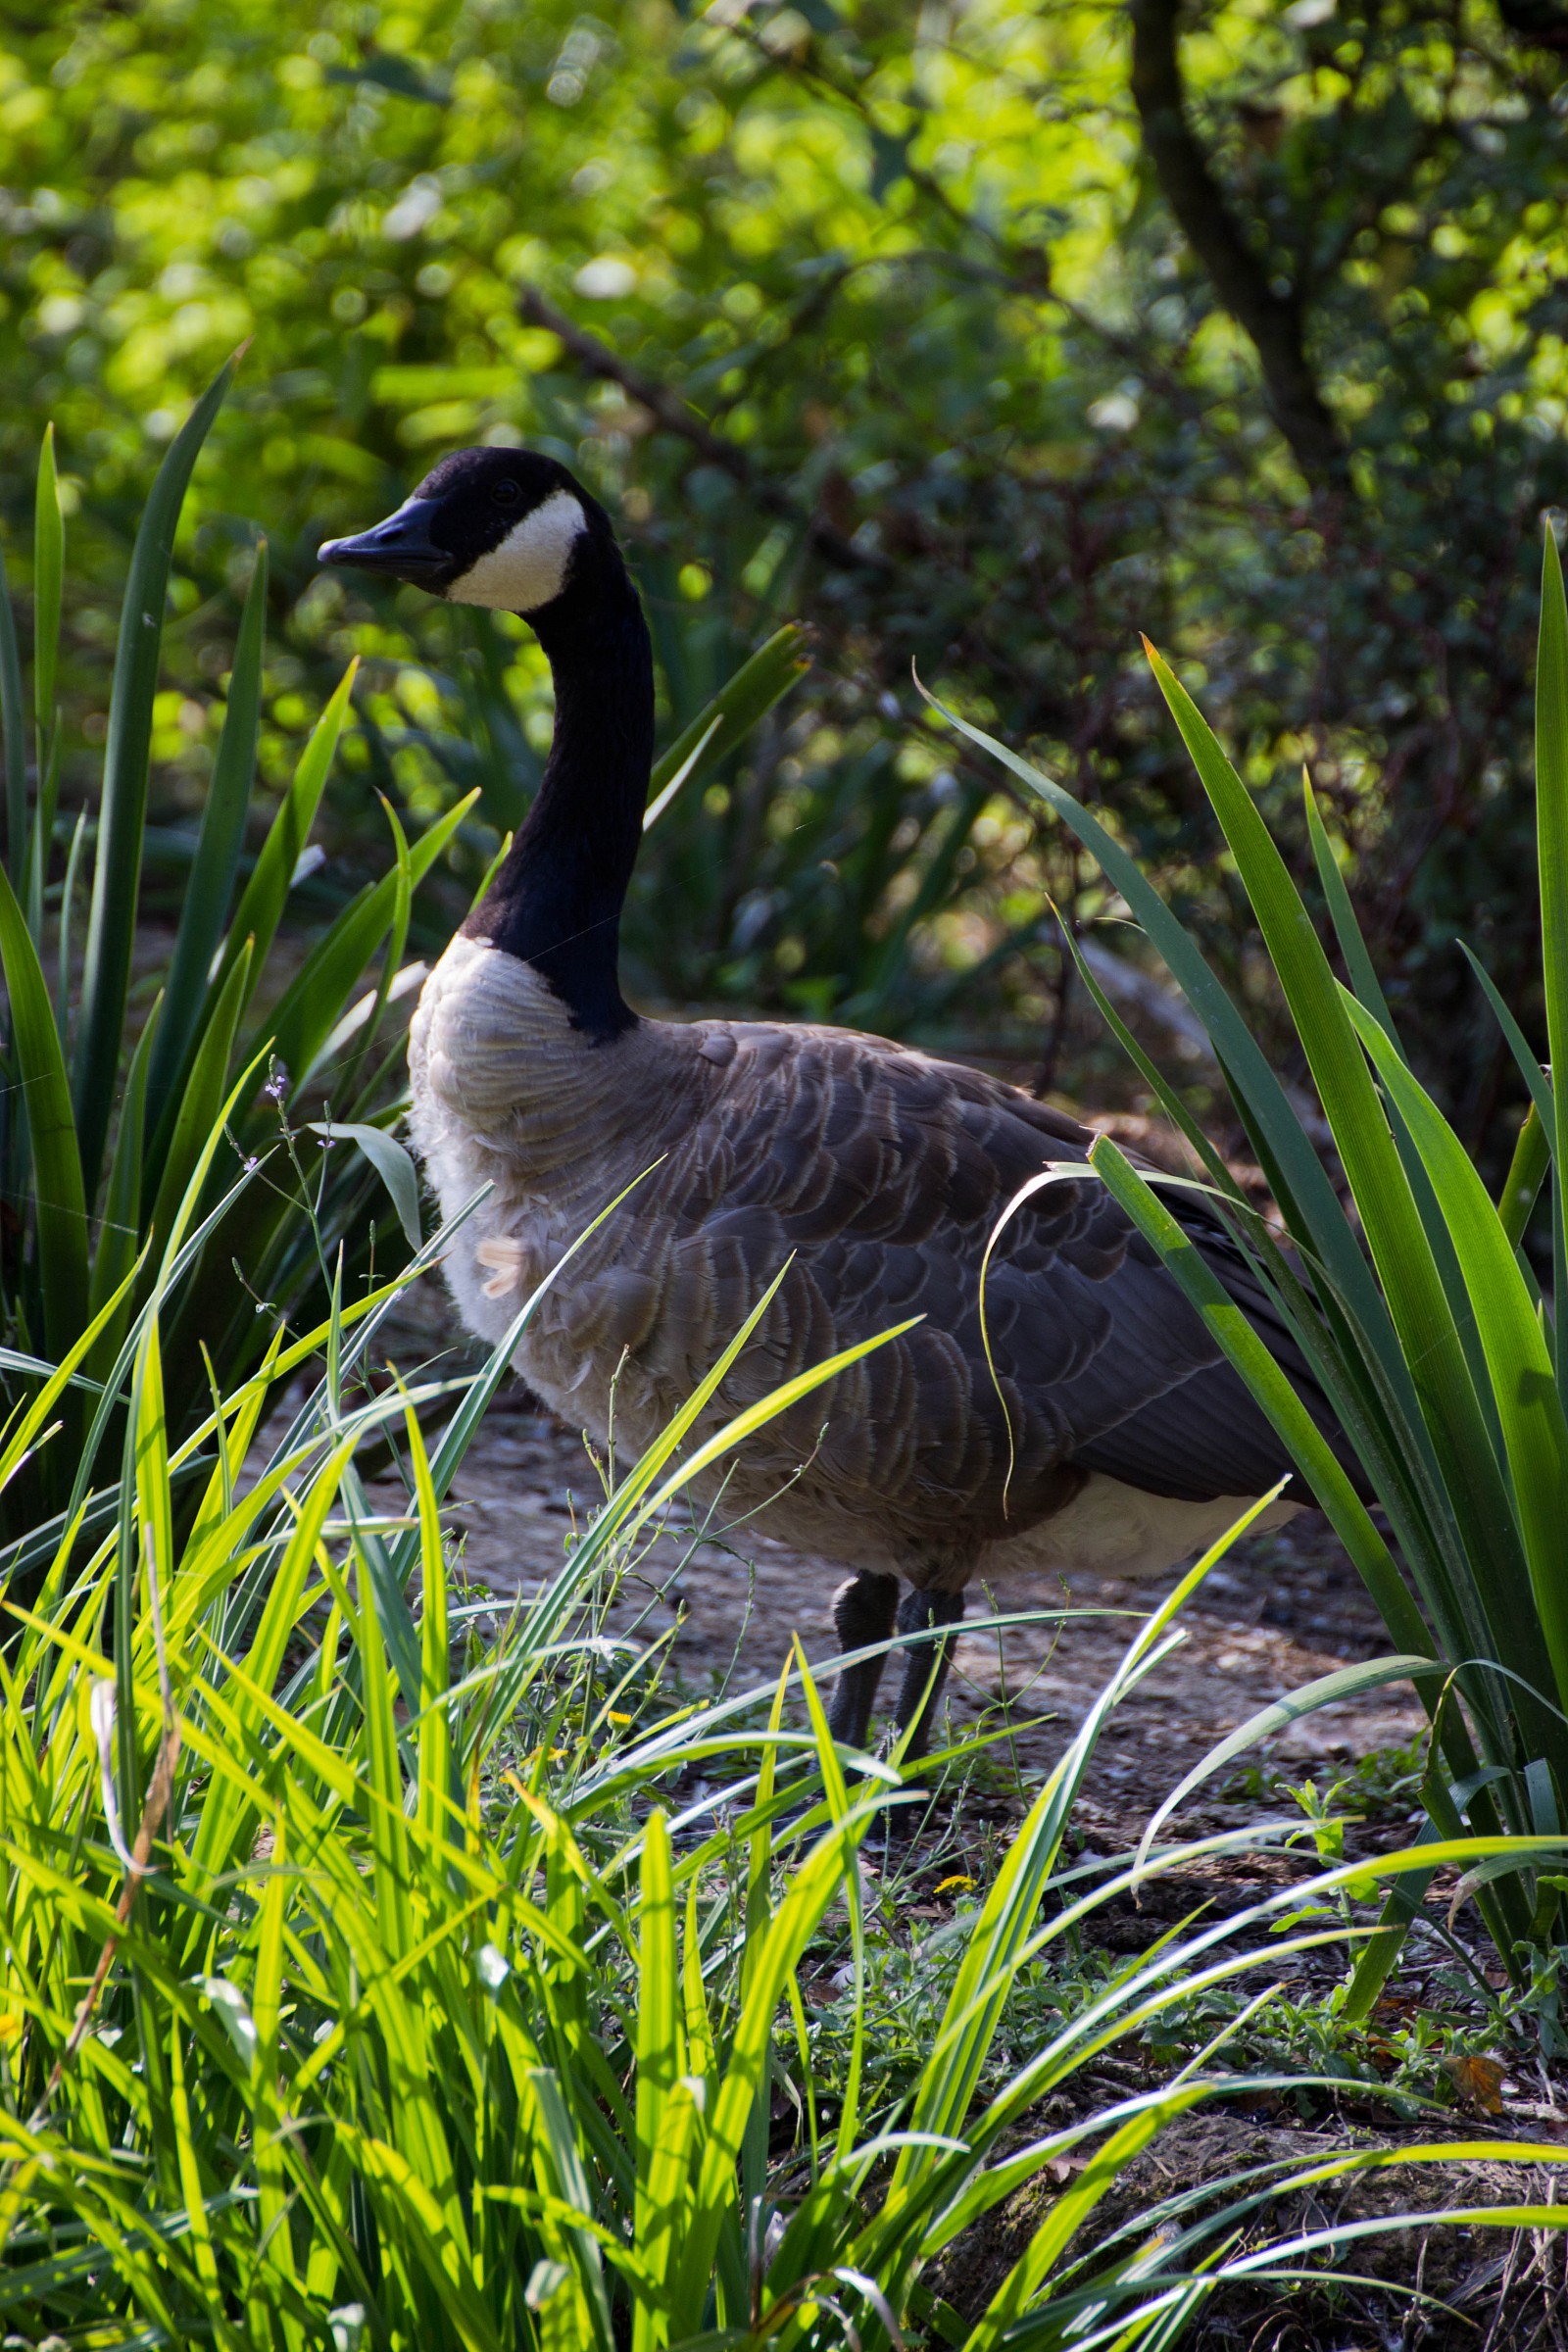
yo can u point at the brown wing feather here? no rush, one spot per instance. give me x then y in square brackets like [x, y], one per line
[877, 1175]
[885, 1173]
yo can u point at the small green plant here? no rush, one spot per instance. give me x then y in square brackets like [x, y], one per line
[1414, 1304]
[1383, 1784]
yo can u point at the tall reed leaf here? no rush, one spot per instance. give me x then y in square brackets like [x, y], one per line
[48, 588]
[205, 911]
[61, 1208]
[13, 733]
[121, 809]
[261, 902]
[1535, 1432]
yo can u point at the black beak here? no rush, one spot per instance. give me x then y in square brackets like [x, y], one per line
[402, 547]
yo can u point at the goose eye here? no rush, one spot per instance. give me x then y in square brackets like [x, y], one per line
[506, 493]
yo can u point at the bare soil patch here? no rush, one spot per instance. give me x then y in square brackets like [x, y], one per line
[1480, 2287]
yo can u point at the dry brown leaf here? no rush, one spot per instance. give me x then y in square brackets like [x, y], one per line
[1477, 2081]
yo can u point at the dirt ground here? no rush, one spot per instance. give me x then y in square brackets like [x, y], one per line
[1281, 1609]
[1482, 2288]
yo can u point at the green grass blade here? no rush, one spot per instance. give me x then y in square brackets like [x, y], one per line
[122, 809]
[68, 909]
[389, 1840]
[1295, 1169]
[40, 841]
[435, 1657]
[48, 584]
[262, 905]
[659, 2069]
[217, 847]
[1551, 851]
[1002, 2318]
[119, 1227]
[1326, 1690]
[740, 704]
[1411, 1279]
[1364, 981]
[13, 733]
[1378, 1954]
[1309, 1447]
[28, 1430]
[1551, 814]
[314, 1002]
[1419, 1279]
[1527, 1063]
[1529, 1407]
[356, 1065]
[198, 1106]
[1527, 1173]
[746, 2068]
[61, 1204]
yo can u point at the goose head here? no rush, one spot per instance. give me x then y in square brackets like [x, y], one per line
[503, 527]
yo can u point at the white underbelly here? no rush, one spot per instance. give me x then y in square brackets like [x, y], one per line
[1111, 1529]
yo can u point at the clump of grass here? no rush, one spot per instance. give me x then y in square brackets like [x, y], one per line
[360, 1987]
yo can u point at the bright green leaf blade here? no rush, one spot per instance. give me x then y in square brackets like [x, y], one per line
[1527, 1173]
[122, 809]
[1437, 1520]
[1246, 1069]
[392, 1163]
[61, 1208]
[1529, 1407]
[1551, 856]
[13, 734]
[1346, 930]
[1473, 1568]
[1309, 1447]
[1525, 1063]
[310, 1006]
[261, 907]
[1411, 1278]
[739, 706]
[217, 861]
[48, 582]
[360, 1024]
[1551, 818]
[40, 841]
[199, 1107]
[1327, 1691]
[119, 1228]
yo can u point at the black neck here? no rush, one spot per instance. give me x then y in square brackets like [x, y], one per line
[556, 896]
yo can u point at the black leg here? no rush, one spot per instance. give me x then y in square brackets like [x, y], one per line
[926, 1669]
[863, 1613]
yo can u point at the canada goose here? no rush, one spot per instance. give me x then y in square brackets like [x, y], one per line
[882, 1169]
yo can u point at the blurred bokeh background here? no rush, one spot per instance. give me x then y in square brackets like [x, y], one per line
[979, 334]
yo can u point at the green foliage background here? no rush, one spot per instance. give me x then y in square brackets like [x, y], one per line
[926, 325]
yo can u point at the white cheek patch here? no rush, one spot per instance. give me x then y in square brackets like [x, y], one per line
[529, 566]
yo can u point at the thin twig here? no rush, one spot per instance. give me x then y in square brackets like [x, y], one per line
[668, 409]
